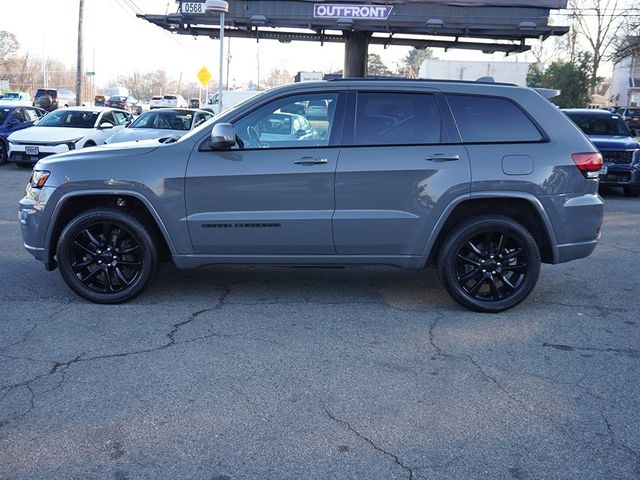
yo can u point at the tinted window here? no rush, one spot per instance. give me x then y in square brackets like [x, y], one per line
[18, 115]
[272, 126]
[108, 118]
[70, 118]
[600, 124]
[397, 119]
[164, 119]
[489, 119]
[4, 112]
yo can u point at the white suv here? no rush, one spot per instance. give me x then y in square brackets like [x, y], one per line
[173, 101]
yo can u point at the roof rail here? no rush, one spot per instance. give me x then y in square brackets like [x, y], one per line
[482, 80]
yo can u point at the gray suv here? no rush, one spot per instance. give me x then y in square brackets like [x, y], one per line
[484, 180]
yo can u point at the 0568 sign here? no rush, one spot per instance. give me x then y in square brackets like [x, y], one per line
[192, 7]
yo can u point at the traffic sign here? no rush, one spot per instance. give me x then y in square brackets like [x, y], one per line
[204, 76]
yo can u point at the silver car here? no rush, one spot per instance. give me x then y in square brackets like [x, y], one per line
[161, 123]
[483, 180]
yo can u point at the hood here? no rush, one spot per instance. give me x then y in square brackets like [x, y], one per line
[102, 153]
[610, 142]
[136, 134]
[48, 134]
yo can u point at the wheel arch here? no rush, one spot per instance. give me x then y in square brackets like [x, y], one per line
[74, 203]
[520, 206]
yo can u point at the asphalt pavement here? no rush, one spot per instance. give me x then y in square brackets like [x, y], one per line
[288, 373]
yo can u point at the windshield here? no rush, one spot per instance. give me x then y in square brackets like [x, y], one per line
[3, 114]
[70, 119]
[601, 124]
[118, 99]
[165, 119]
[11, 96]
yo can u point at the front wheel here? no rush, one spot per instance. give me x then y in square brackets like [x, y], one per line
[489, 263]
[106, 255]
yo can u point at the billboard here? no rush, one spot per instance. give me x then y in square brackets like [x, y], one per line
[465, 3]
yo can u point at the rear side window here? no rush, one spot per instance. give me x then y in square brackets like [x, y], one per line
[397, 119]
[491, 119]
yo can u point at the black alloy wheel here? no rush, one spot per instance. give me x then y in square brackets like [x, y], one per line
[490, 264]
[106, 255]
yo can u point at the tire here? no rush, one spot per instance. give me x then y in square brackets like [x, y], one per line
[489, 263]
[112, 243]
[632, 192]
[4, 154]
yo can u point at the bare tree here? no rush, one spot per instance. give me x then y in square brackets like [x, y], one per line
[600, 23]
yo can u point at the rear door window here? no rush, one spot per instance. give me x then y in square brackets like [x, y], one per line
[491, 120]
[397, 119]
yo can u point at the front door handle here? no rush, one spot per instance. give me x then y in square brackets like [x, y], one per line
[441, 157]
[310, 161]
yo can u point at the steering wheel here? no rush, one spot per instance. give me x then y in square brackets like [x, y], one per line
[254, 138]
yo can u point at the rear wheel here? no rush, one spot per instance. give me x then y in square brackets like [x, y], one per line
[632, 192]
[489, 264]
[106, 255]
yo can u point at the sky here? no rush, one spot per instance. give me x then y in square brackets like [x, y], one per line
[123, 43]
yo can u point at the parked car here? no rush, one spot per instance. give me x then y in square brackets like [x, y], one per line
[63, 130]
[611, 135]
[284, 127]
[484, 180]
[156, 102]
[99, 101]
[194, 103]
[159, 123]
[17, 98]
[12, 119]
[127, 103]
[173, 101]
[317, 109]
[54, 98]
[631, 115]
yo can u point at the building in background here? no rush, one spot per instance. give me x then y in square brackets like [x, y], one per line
[625, 89]
[506, 72]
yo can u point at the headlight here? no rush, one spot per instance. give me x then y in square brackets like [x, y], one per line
[39, 178]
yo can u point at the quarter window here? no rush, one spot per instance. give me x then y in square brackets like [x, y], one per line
[397, 119]
[491, 119]
[296, 121]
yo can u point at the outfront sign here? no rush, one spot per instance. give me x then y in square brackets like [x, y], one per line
[342, 10]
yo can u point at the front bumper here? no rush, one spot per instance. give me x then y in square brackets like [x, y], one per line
[31, 214]
[18, 153]
[621, 175]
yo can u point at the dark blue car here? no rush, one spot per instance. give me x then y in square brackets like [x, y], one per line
[615, 140]
[12, 119]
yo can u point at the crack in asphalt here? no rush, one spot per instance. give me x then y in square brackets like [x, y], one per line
[376, 447]
[495, 381]
[612, 437]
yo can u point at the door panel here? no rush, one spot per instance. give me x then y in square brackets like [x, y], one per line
[261, 202]
[389, 198]
[397, 178]
[274, 193]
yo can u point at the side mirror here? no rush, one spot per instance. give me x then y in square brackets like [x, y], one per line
[106, 125]
[223, 136]
[300, 133]
[634, 132]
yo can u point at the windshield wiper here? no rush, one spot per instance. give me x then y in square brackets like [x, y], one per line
[171, 139]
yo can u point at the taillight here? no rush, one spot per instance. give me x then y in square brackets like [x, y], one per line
[589, 164]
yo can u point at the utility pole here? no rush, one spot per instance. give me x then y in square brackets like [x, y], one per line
[80, 65]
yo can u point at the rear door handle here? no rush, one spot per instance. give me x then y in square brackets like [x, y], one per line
[441, 157]
[310, 161]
